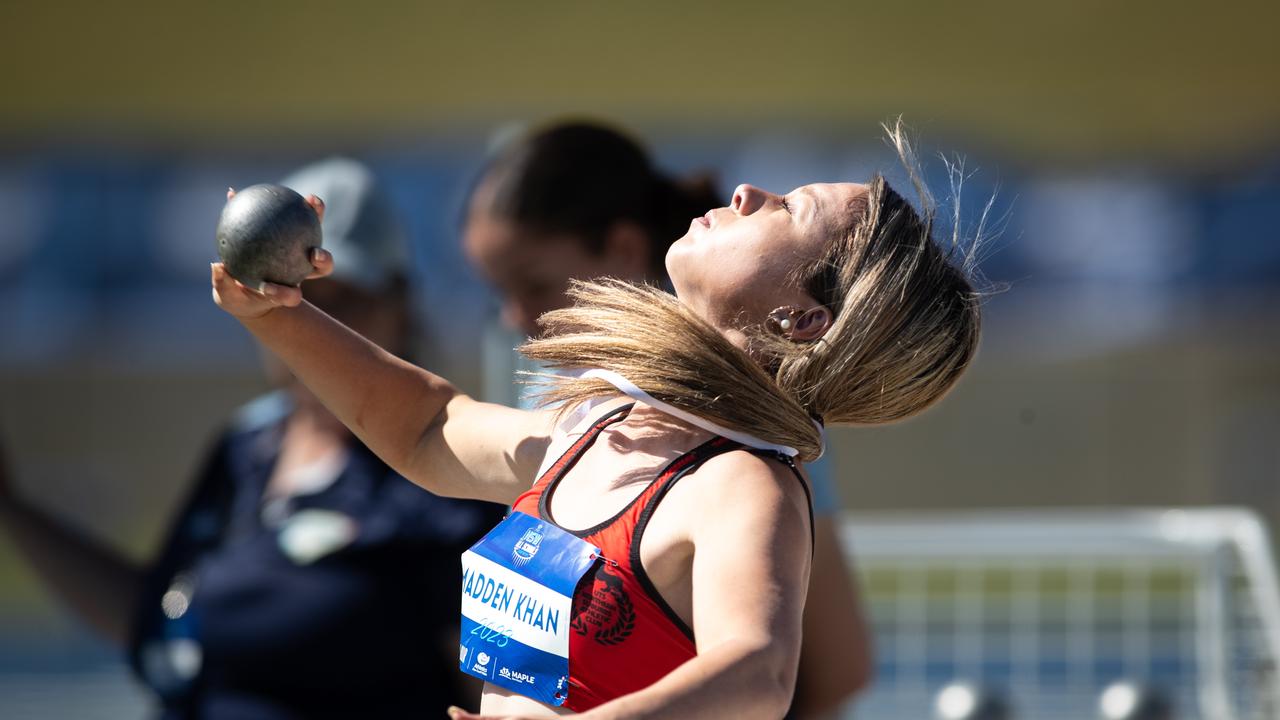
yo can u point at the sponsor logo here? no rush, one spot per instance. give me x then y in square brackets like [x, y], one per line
[527, 546]
[482, 660]
[462, 653]
[515, 675]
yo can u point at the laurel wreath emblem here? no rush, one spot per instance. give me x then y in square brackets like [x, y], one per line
[624, 610]
[625, 623]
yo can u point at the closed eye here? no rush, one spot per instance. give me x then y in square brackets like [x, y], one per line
[785, 205]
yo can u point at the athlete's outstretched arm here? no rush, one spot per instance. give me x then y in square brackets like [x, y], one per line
[417, 422]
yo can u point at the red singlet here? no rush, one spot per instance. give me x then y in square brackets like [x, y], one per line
[623, 636]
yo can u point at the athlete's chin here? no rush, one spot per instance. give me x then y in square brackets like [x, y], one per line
[682, 243]
[678, 261]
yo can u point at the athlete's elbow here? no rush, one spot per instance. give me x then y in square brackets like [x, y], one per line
[780, 689]
[771, 672]
[419, 446]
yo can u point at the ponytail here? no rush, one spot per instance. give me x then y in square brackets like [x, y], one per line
[667, 350]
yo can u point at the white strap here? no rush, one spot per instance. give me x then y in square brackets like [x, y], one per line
[629, 388]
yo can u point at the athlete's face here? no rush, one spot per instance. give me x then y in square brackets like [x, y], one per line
[734, 264]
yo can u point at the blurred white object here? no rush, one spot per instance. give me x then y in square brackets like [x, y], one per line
[966, 701]
[1130, 701]
[1118, 700]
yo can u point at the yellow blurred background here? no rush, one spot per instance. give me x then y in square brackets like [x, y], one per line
[1074, 82]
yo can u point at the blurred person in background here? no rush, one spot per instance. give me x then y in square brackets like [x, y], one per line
[581, 200]
[303, 578]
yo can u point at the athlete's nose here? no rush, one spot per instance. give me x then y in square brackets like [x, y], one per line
[748, 199]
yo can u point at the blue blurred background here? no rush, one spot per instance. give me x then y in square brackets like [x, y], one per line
[1132, 150]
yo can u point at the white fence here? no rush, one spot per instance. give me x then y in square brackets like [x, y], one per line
[1049, 608]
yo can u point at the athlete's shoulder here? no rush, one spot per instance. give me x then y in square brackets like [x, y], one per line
[741, 494]
[745, 473]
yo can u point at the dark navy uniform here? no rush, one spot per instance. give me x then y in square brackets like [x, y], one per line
[340, 602]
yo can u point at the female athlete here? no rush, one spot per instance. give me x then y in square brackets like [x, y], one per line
[657, 558]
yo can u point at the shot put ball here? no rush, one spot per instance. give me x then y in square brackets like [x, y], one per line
[266, 232]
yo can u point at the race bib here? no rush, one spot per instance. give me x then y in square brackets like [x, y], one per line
[517, 591]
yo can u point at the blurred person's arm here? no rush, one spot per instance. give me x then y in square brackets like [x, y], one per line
[836, 658]
[415, 421]
[97, 583]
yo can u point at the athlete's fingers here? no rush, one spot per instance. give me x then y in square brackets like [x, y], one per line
[316, 204]
[280, 294]
[322, 260]
[227, 289]
[233, 297]
[223, 284]
[245, 302]
[276, 294]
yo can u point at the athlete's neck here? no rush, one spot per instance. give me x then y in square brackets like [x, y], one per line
[650, 430]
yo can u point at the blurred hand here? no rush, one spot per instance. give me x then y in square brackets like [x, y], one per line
[248, 303]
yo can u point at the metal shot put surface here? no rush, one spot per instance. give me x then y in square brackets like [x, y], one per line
[266, 232]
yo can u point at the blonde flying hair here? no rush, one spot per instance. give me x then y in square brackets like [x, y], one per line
[905, 326]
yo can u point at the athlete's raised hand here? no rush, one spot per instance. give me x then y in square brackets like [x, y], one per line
[246, 302]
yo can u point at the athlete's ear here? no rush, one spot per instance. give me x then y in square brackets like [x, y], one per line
[813, 324]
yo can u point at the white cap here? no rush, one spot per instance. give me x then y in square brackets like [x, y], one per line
[361, 228]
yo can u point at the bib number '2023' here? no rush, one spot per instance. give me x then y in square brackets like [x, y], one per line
[490, 632]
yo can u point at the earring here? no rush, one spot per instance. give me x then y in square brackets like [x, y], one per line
[783, 319]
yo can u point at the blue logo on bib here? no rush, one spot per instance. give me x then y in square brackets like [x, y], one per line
[527, 546]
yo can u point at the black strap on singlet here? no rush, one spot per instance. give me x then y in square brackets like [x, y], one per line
[571, 454]
[804, 484]
[676, 470]
[667, 478]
